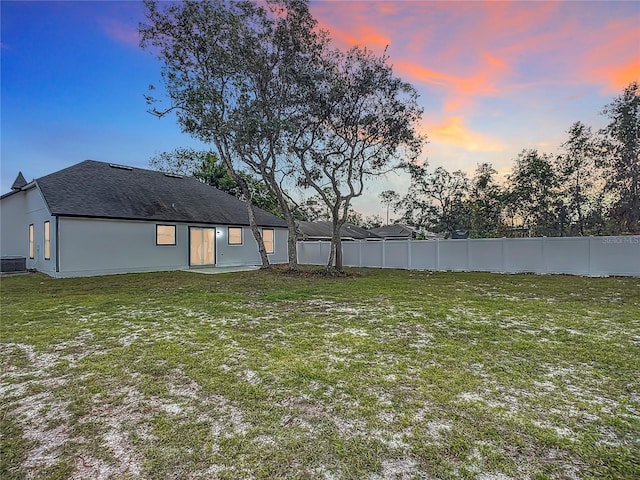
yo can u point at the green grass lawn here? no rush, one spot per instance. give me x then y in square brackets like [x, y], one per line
[380, 375]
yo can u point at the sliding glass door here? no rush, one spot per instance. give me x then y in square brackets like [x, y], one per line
[202, 246]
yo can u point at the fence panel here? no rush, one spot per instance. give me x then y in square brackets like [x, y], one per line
[523, 255]
[572, 255]
[372, 254]
[424, 255]
[310, 253]
[615, 255]
[567, 255]
[485, 255]
[453, 255]
[350, 254]
[396, 254]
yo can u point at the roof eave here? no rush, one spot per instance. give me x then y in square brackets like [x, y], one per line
[28, 186]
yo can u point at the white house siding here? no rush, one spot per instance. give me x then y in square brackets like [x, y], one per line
[17, 212]
[101, 247]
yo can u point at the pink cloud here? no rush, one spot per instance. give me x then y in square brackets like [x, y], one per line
[121, 32]
[466, 51]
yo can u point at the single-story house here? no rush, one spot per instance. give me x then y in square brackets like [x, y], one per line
[323, 231]
[398, 231]
[98, 218]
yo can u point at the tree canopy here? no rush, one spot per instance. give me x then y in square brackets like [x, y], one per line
[207, 167]
[263, 86]
[590, 187]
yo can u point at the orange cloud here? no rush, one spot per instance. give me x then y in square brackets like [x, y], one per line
[454, 132]
[467, 52]
[624, 75]
[485, 79]
[615, 61]
[424, 74]
[361, 34]
[455, 103]
[387, 8]
[479, 82]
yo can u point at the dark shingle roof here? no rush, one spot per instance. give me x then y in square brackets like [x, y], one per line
[19, 182]
[97, 189]
[324, 229]
[395, 230]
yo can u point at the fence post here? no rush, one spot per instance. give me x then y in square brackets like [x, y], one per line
[468, 255]
[437, 254]
[409, 254]
[589, 239]
[384, 253]
[544, 254]
[504, 255]
[360, 253]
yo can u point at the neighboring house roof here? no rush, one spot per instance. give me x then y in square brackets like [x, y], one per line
[323, 230]
[457, 234]
[394, 231]
[103, 190]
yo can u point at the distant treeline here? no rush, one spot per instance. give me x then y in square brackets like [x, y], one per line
[591, 188]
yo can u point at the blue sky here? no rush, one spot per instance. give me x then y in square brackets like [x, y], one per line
[494, 78]
[73, 80]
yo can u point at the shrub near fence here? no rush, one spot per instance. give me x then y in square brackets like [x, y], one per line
[594, 256]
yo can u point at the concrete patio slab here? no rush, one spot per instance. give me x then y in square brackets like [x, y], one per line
[215, 270]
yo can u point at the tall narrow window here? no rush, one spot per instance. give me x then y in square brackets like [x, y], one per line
[235, 236]
[165, 234]
[31, 247]
[267, 238]
[47, 240]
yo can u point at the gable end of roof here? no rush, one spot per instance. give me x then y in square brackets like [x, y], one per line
[19, 182]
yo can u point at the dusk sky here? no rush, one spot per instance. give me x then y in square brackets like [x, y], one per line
[493, 78]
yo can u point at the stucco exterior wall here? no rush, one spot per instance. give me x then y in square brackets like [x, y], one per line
[101, 247]
[17, 212]
[247, 253]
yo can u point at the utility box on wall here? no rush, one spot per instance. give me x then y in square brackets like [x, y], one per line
[13, 264]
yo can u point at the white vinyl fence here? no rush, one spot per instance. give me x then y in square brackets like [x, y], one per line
[594, 256]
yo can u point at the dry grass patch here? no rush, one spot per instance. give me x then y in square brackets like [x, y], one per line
[375, 375]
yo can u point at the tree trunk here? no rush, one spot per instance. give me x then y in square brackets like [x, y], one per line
[246, 193]
[335, 255]
[292, 240]
[634, 226]
[255, 230]
[332, 253]
[292, 249]
[579, 206]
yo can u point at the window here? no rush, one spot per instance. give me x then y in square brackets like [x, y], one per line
[235, 236]
[31, 248]
[47, 240]
[267, 238]
[165, 234]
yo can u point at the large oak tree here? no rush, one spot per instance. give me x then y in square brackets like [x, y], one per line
[229, 71]
[360, 121]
